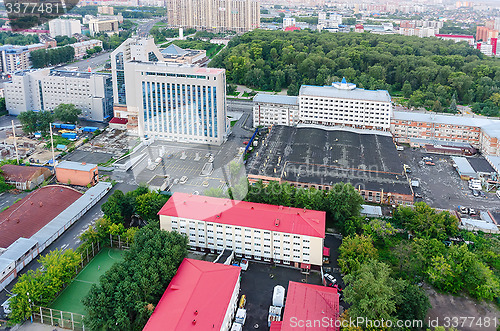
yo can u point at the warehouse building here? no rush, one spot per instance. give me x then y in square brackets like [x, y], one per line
[33, 223]
[201, 296]
[319, 157]
[278, 234]
[341, 104]
[309, 303]
[76, 173]
[24, 177]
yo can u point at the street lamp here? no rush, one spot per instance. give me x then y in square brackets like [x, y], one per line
[29, 301]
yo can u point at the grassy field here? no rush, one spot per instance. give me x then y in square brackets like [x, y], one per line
[71, 298]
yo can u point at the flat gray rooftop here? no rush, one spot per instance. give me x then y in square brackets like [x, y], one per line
[356, 94]
[326, 157]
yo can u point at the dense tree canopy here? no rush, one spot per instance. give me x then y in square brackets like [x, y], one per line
[35, 121]
[67, 113]
[52, 56]
[127, 294]
[425, 70]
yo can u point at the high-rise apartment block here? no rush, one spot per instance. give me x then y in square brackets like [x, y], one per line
[216, 15]
[484, 34]
[62, 27]
[45, 89]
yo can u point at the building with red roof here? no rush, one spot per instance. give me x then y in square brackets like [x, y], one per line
[457, 38]
[118, 123]
[24, 177]
[201, 296]
[27, 216]
[292, 28]
[309, 307]
[291, 236]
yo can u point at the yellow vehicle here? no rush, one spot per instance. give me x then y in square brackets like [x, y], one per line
[243, 301]
[67, 131]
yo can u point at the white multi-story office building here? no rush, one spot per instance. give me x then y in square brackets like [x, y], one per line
[291, 236]
[271, 109]
[45, 89]
[341, 104]
[62, 27]
[177, 102]
[14, 58]
[109, 26]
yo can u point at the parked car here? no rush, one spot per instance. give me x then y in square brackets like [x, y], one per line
[473, 212]
[475, 193]
[426, 158]
[183, 180]
[498, 194]
[463, 210]
[330, 280]
[430, 163]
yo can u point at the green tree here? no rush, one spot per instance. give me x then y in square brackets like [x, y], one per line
[67, 113]
[371, 291]
[127, 293]
[3, 108]
[354, 251]
[148, 205]
[407, 91]
[29, 121]
[343, 202]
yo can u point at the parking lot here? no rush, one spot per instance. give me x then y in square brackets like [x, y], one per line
[202, 166]
[441, 186]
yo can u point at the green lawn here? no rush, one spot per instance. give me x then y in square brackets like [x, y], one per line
[71, 297]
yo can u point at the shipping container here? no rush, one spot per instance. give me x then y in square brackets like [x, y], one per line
[68, 126]
[69, 135]
[90, 129]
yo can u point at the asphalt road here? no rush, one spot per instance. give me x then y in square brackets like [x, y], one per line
[96, 63]
[8, 199]
[143, 29]
[69, 239]
[239, 105]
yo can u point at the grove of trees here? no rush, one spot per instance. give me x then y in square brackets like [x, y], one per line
[427, 71]
[10, 38]
[385, 262]
[40, 287]
[127, 294]
[39, 121]
[49, 57]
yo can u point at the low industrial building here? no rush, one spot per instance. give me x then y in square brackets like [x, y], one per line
[319, 157]
[45, 89]
[290, 236]
[33, 223]
[306, 303]
[201, 296]
[76, 173]
[24, 177]
[82, 47]
[104, 24]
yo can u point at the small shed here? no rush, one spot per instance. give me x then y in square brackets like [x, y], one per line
[77, 173]
[371, 211]
[24, 177]
[464, 168]
[279, 296]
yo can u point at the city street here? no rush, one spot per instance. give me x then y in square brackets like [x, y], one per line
[70, 238]
[95, 63]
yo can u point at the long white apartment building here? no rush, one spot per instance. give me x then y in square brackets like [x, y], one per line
[480, 132]
[278, 234]
[177, 102]
[45, 89]
[341, 104]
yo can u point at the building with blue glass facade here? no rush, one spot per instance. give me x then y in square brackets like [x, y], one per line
[177, 102]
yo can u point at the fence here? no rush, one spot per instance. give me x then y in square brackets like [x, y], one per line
[88, 255]
[117, 242]
[59, 318]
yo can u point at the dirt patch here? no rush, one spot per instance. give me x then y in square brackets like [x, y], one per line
[461, 312]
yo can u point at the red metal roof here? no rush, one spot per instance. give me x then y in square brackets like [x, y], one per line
[17, 173]
[306, 302]
[197, 298]
[292, 28]
[117, 120]
[28, 216]
[455, 36]
[248, 214]
[276, 326]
